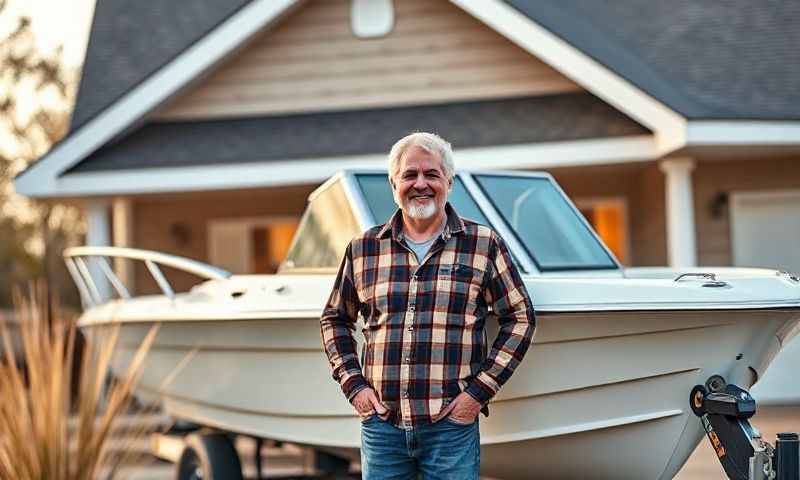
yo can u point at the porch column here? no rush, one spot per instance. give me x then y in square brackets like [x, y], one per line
[681, 243]
[98, 234]
[122, 218]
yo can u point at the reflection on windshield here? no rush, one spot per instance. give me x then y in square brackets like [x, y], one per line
[549, 228]
[324, 232]
[378, 196]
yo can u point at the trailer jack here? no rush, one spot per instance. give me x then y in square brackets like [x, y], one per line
[724, 410]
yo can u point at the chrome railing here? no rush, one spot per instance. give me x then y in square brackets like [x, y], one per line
[81, 261]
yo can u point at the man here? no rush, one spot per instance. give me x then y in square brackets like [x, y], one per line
[424, 282]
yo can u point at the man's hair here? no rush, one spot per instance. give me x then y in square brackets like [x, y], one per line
[431, 143]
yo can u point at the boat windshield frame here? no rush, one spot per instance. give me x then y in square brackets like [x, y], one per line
[614, 264]
[526, 261]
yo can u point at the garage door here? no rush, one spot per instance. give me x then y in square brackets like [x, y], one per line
[765, 228]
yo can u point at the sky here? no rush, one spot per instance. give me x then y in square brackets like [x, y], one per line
[55, 22]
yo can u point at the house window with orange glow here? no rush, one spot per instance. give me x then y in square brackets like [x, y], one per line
[609, 218]
[250, 245]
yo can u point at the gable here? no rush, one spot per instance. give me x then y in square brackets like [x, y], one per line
[312, 62]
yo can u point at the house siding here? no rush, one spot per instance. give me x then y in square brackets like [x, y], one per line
[312, 62]
[712, 177]
[650, 207]
[642, 187]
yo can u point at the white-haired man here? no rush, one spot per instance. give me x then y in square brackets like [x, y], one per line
[425, 283]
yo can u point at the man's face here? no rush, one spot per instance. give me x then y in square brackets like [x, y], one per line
[421, 186]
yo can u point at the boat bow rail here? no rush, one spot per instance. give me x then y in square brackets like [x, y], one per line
[88, 264]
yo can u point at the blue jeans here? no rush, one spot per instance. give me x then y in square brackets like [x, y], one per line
[442, 450]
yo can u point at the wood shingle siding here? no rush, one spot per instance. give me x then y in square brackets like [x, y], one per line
[312, 62]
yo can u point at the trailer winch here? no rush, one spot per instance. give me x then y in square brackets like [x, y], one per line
[724, 411]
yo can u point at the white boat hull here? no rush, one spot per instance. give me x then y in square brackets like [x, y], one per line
[600, 395]
[780, 385]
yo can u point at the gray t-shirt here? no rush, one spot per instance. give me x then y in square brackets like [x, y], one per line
[421, 248]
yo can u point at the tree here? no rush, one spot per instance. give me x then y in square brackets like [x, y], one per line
[36, 94]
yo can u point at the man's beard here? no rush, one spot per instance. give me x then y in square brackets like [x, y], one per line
[421, 212]
[418, 212]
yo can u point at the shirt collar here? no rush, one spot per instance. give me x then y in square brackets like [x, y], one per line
[453, 225]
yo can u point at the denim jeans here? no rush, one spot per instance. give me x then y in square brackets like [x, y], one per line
[442, 450]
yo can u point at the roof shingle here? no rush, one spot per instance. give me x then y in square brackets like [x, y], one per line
[315, 135]
[724, 59]
[130, 40]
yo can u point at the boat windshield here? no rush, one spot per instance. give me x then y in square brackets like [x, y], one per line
[378, 196]
[326, 228]
[549, 228]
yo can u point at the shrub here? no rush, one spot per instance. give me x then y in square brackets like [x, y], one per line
[39, 394]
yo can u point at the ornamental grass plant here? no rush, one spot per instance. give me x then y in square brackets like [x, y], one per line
[54, 424]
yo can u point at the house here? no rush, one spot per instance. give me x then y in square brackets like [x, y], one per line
[200, 127]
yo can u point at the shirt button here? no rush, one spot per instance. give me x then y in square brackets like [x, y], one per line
[405, 394]
[410, 329]
[408, 360]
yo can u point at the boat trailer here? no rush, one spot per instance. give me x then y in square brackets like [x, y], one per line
[724, 411]
[204, 453]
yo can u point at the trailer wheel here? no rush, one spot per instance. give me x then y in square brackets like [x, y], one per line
[209, 456]
[716, 384]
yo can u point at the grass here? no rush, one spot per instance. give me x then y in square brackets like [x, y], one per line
[38, 395]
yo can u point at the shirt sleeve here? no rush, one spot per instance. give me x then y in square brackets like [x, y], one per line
[506, 294]
[337, 325]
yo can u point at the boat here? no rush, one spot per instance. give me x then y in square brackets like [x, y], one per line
[602, 393]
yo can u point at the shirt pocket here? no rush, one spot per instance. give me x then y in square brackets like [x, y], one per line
[458, 287]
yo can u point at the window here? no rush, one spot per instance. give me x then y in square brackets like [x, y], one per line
[609, 218]
[548, 227]
[250, 245]
[325, 230]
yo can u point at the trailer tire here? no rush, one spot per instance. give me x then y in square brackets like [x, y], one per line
[209, 456]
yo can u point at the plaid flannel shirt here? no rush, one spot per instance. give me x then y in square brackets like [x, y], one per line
[424, 321]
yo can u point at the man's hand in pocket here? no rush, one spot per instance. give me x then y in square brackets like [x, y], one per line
[463, 409]
[366, 403]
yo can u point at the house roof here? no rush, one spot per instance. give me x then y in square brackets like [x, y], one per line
[686, 72]
[131, 40]
[732, 59]
[279, 138]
